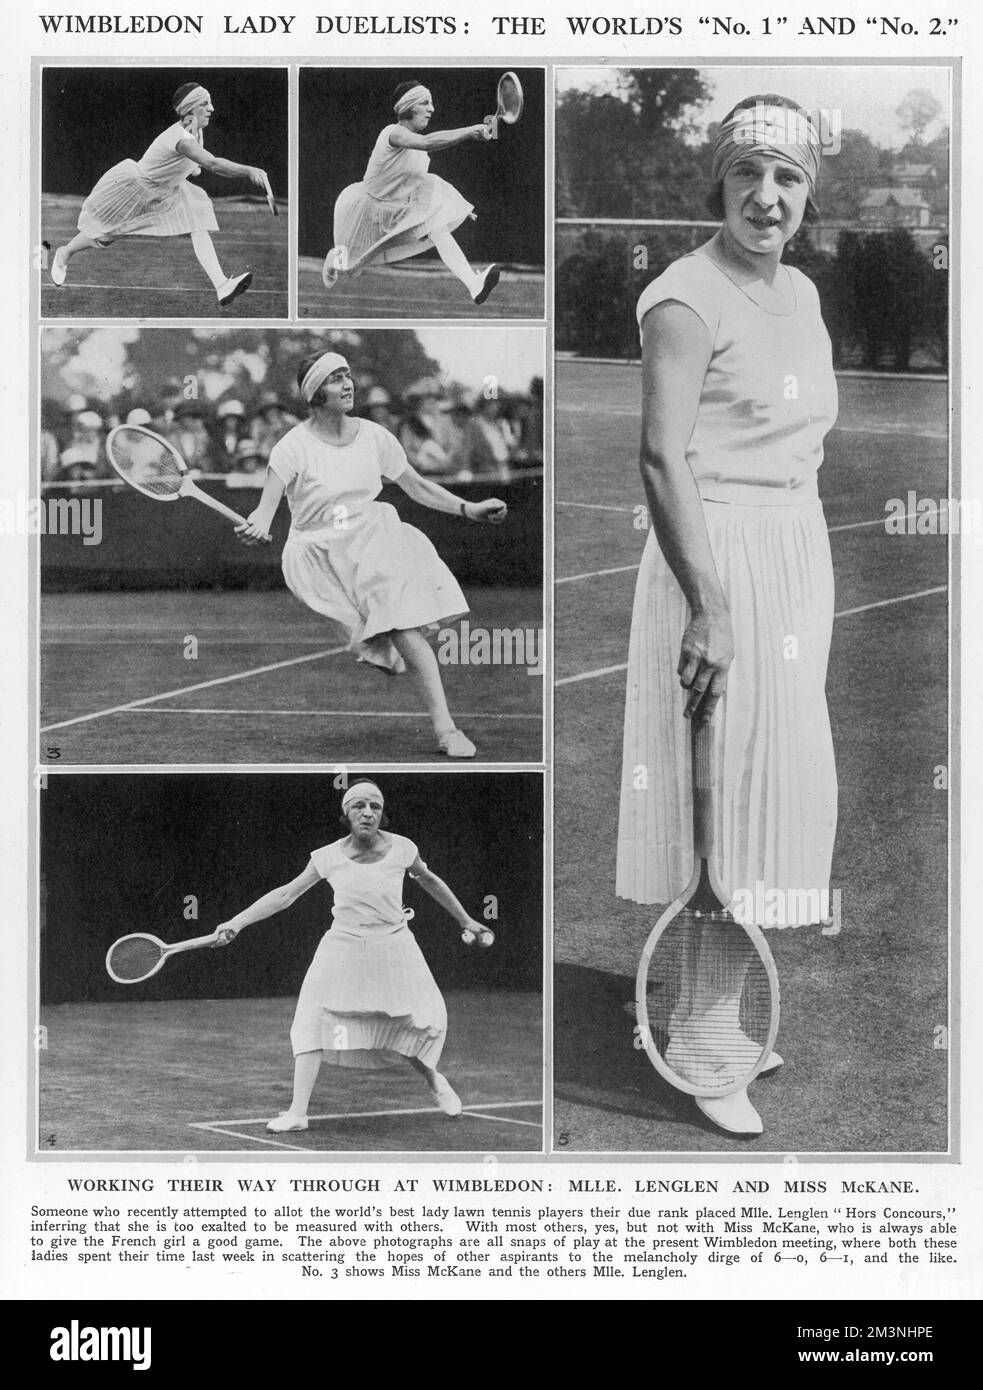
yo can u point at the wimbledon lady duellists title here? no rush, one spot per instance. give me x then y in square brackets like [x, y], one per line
[248, 25]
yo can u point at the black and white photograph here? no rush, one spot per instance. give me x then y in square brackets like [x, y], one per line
[752, 588]
[164, 192]
[422, 193]
[234, 589]
[201, 989]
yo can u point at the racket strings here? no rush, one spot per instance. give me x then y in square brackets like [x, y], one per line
[510, 98]
[147, 463]
[133, 957]
[708, 1000]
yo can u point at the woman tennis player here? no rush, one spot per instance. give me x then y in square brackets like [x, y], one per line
[735, 592]
[348, 556]
[400, 209]
[368, 998]
[152, 197]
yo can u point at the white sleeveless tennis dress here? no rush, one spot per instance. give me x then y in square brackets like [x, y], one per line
[368, 997]
[391, 214]
[350, 557]
[150, 196]
[768, 399]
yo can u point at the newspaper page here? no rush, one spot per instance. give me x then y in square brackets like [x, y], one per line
[503, 828]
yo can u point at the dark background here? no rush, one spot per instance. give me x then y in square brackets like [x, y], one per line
[91, 118]
[185, 546]
[343, 110]
[120, 853]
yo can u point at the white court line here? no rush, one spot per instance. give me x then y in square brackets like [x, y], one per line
[596, 574]
[886, 602]
[187, 689]
[625, 569]
[632, 511]
[333, 713]
[891, 427]
[845, 613]
[501, 1119]
[161, 289]
[597, 507]
[369, 1114]
[216, 1128]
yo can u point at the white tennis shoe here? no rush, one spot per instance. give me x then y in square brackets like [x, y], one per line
[489, 280]
[59, 268]
[456, 744]
[735, 1113]
[286, 1122]
[234, 287]
[446, 1097]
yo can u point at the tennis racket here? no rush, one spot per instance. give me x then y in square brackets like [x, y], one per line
[154, 467]
[138, 956]
[706, 994]
[270, 200]
[510, 103]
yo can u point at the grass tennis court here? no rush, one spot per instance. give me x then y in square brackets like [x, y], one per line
[208, 1074]
[415, 290]
[861, 1012]
[272, 683]
[159, 277]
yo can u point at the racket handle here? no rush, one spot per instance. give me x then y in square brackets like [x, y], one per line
[702, 739]
[192, 944]
[215, 504]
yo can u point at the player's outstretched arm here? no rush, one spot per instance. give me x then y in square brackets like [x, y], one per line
[268, 905]
[437, 889]
[430, 494]
[402, 139]
[222, 168]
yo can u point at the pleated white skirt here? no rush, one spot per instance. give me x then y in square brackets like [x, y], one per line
[775, 813]
[126, 203]
[377, 576]
[369, 999]
[375, 230]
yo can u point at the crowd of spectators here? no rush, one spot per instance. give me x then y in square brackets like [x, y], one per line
[451, 434]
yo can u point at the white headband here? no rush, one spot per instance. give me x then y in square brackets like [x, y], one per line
[192, 99]
[359, 789]
[318, 374]
[410, 99]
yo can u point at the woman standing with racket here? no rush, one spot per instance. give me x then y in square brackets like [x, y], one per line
[368, 998]
[152, 197]
[348, 556]
[735, 592]
[400, 209]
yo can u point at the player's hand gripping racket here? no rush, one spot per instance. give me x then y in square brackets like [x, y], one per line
[154, 467]
[706, 994]
[270, 200]
[509, 103]
[138, 956]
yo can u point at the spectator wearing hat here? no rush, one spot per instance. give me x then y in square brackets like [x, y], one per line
[271, 422]
[490, 440]
[193, 440]
[84, 455]
[378, 408]
[425, 435]
[232, 425]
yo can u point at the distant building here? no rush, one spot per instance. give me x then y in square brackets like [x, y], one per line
[888, 208]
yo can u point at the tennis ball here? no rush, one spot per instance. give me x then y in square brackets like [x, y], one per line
[486, 938]
[468, 936]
